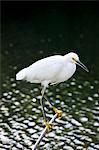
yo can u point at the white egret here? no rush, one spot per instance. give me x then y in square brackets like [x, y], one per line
[51, 70]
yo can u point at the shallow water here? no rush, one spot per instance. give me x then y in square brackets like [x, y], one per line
[21, 120]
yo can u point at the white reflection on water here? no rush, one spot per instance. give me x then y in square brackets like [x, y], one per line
[21, 118]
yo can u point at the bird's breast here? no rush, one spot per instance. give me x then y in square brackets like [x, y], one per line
[66, 72]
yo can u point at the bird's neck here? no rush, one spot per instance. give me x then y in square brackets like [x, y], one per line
[65, 58]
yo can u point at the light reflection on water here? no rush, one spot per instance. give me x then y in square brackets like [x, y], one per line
[21, 118]
[28, 39]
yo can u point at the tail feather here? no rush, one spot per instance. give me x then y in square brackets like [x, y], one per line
[21, 75]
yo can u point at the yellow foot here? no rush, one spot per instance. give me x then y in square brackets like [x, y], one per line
[58, 112]
[48, 125]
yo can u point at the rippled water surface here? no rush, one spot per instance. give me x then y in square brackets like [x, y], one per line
[21, 120]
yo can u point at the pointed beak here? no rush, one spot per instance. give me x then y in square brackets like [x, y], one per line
[82, 65]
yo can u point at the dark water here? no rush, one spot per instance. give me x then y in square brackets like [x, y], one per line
[27, 38]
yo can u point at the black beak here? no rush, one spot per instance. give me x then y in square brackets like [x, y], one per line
[82, 65]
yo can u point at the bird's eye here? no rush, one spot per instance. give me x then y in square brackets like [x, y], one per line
[73, 58]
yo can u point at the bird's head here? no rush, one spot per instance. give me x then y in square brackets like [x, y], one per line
[73, 58]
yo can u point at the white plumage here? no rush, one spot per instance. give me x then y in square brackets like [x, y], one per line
[53, 69]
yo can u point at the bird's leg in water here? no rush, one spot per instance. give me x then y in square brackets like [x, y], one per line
[58, 112]
[48, 126]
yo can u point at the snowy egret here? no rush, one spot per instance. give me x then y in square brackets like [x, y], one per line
[51, 70]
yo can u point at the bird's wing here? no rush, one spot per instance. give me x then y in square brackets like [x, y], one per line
[45, 69]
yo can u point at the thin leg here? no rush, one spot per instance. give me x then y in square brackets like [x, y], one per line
[48, 101]
[41, 102]
[59, 112]
[48, 126]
